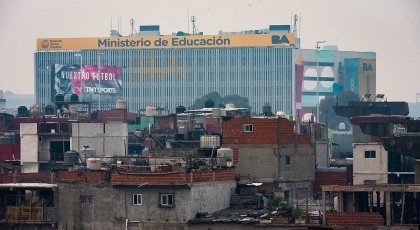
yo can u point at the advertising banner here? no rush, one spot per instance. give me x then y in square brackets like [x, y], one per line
[158, 42]
[88, 81]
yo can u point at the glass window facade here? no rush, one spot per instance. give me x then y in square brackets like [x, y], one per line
[168, 78]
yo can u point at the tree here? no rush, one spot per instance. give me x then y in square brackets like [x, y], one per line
[238, 101]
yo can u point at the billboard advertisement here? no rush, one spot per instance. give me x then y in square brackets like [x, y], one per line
[88, 81]
[156, 42]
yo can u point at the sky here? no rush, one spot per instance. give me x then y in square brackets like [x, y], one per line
[389, 28]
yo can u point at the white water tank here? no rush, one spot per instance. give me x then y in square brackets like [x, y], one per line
[120, 104]
[225, 152]
[230, 106]
[280, 114]
[73, 109]
[150, 111]
[93, 163]
[209, 141]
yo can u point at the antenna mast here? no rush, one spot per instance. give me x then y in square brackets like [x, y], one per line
[194, 28]
[318, 47]
[132, 29]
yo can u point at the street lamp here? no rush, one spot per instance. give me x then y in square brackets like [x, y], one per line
[99, 77]
[82, 85]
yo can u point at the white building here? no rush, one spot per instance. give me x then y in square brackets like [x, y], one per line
[370, 163]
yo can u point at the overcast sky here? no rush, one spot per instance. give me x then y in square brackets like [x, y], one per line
[389, 28]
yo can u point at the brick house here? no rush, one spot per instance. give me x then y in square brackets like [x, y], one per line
[268, 150]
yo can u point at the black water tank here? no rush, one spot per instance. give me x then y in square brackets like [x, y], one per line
[94, 115]
[209, 103]
[59, 97]
[49, 110]
[74, 97]
[180, 109]
[267, 109]
[22, 111]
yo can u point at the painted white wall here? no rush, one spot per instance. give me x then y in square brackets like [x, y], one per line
[369, 168]
[108, 139]
[29, 147]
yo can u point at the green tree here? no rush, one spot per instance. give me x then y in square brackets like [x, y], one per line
[238, 101]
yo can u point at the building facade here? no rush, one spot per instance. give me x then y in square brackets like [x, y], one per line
[267, 150]
[329, 72]
[167, 71]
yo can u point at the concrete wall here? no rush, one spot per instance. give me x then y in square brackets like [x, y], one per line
[322, 157]
[211, 197]
[29, 147]
[112, 205]
[369, 168]
[106, 138]
[260, 163]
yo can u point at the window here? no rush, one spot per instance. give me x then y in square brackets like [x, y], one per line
[287, 160]
[166, 200]
[137, 199]
[369, 182]
[370, 154]
[86, 199]
[248, 128]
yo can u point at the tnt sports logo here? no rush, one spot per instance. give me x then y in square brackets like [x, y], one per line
[277, 40]
[45, 44]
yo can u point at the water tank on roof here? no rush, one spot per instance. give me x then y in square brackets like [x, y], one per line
[150, 111]
[34, 109]
[209, 103]
[280, 114]
[71, 157]
[74, 97]
[22, 111]
[94, 115]
[87, 152]
[209, 141]
[59, 98]
[93, 163]
[180, 109]
[120, 104]
[49, 110]
[225, 152]
[230, 106]
[73, 108]
[267, 110]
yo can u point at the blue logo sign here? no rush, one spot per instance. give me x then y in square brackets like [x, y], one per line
[276, 39]
[367, 67]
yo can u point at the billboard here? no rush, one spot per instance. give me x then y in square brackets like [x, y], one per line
[88, 81]
[157, 42]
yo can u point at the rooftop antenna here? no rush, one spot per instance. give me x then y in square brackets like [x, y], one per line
[318, 47]
[132, 28]
[295, 26]
[194, 28]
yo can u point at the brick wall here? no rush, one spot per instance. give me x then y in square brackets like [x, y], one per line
[355, 219]
[329, 178]
[265, 131]
[25, 178]
[119, 178]
[75, 176]
[174, 178]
